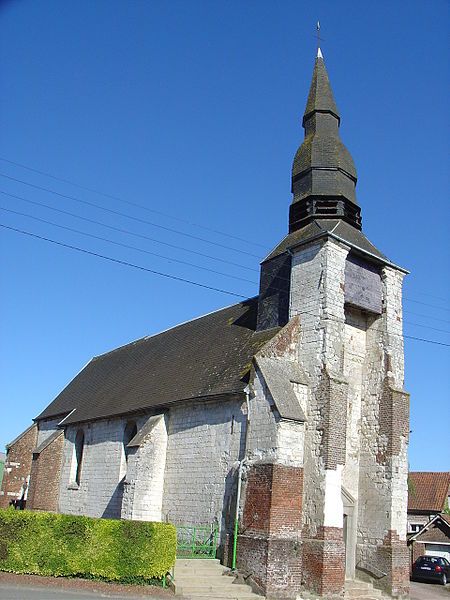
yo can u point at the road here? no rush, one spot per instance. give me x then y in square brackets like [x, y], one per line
[419, 591]
[26, 592]
[429, 591]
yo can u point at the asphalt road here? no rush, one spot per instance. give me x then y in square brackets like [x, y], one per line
[429, 591]
[26, 592]
[419, 591]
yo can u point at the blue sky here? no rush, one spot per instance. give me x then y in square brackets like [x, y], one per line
[192, 110]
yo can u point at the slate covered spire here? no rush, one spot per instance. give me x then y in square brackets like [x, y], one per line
[323, 173]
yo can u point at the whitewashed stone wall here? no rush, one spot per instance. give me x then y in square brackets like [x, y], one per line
[205, 442]
[271, 439]
[317, 297]
[354, 360]
[101, 486]
[46, 429]
[144, 479]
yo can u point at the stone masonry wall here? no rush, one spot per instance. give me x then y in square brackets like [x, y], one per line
[17, 466]
[383, 489]
[269, 544]
[101, 486]
[317, 297]
[144, 480]
[205, 442]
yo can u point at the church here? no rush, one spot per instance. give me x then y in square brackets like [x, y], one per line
[281, 421]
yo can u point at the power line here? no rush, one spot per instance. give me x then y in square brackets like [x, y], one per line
[135, 204]
[166, 275]
[127, 231]
[112, 211]
[97, 237]
[426, 326]
[410, 337]
[167, 244]
[122, 262]
[425, 316]
[432, 296]
[426, 304]
[133, 218]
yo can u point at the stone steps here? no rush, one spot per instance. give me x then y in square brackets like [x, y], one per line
[361, 590]
[207, 579]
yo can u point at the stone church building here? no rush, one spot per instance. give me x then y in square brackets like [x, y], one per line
[296, 393]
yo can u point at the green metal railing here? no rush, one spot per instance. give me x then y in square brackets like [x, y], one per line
[197, 541]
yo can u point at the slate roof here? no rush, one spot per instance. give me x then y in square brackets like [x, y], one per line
[320, 97]
[208, 356]
[429, 491]
[337, 227]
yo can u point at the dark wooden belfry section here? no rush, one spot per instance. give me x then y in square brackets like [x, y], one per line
[323, 173]
[328, 207]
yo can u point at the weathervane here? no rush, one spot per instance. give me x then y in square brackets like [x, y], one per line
[319, 39]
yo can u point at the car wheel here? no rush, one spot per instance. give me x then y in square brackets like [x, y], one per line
[444, 579]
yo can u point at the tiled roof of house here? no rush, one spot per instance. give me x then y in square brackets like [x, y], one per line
[205, 357]
[428, 491]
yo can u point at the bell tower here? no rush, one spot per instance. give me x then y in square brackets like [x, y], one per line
[338, 301]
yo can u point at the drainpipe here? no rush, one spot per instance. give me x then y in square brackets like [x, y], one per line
[239, 483]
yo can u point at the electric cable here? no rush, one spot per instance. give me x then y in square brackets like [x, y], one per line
[181, 279]
[133, 218]
[135, 204]
[127, 231]
[97, 237]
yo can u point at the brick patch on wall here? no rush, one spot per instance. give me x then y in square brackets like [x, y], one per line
[17, 465]
[324, 561]
[269, 545]
[45, 477]
[393, 558]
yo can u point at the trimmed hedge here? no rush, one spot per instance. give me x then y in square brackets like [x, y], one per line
[63, 545]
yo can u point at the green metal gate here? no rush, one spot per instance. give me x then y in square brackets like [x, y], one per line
[197, 541]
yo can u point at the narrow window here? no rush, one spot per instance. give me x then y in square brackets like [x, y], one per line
[129, 432]
[79, 443]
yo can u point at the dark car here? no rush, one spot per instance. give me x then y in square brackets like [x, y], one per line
[432, 568]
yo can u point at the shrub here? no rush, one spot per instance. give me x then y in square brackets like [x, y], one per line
[63, 545]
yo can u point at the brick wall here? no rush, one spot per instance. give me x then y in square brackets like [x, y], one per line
[323, 560]
[416, 549]
[269, 545]
[45, 476]
[17, 465]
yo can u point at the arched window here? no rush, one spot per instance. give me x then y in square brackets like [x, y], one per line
[128, 434]
[79, 444]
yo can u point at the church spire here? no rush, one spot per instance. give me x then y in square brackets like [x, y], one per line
[323, 173]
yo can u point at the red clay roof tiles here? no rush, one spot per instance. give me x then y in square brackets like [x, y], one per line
[428, 491]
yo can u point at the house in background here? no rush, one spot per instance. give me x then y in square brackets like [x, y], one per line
[428, 525]
[432, 540]
[428, 496]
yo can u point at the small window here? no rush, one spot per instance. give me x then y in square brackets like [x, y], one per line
[79, 445]
[129, 432]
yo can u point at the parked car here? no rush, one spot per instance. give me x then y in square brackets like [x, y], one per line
[432, 568]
